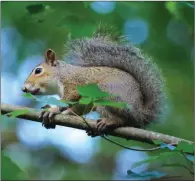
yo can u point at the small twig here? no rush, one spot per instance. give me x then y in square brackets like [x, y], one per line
[130, 148]
[92, 108]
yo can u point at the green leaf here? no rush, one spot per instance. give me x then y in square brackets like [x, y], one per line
[85, 100]
[185, 147]
[51, 100]
[162, 156]
[9, 170]
[54, 101]
[17, 113]
[173, 165]
[110, 103]
[190, 157]
[171, 6]
[29, 96]
[36, 8]
[91, 90]
[163, 145]
[176, 165]
[151, 159]
[145, 175]
[87, 4]
[157, 142]
[69, 102]
[191, 5]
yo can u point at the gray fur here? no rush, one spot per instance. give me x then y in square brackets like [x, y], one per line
[102, 51]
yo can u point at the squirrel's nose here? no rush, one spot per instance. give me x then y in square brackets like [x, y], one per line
[24, 89]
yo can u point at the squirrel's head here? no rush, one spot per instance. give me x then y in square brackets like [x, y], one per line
[41, 80]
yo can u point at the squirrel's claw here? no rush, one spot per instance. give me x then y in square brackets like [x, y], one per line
[46, 106]
[41, 114]
[104, 125]
[48, 119]
[45, 120]
[51, 119]
[92, 133]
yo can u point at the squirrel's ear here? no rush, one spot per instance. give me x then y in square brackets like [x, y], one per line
[50, 57]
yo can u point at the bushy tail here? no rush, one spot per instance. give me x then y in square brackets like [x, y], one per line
[102, 51]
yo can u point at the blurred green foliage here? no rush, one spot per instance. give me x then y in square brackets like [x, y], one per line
[9, 170]
[54, 22]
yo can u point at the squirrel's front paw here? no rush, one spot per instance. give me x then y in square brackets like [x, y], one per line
[47, 116]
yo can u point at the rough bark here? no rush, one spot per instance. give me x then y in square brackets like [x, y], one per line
[76, 122]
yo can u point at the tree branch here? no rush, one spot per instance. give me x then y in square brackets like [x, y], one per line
[78, 123]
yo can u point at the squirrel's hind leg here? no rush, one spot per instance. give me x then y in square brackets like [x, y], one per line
[108, 122]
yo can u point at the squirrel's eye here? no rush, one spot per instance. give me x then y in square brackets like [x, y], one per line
[38, 70]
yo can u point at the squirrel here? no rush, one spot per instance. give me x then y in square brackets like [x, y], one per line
[117, 68]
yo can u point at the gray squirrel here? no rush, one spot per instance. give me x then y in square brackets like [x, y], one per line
[117, 68]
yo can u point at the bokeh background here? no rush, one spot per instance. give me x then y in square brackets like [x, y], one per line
[163, 30]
